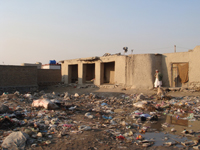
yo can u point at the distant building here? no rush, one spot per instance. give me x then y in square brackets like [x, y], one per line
[38, 64]
[51, 66]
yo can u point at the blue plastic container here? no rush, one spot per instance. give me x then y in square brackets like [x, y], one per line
[52, 62]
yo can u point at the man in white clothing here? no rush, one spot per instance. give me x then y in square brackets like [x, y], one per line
[158, 80]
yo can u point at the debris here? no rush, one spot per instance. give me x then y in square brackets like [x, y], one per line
[120, 137]
[89, 115]
[76, 95]
[84, 128]
[4, 109]
[47, 104]
[125, 118]
[140, 104]
[16, 140]
[173, 130]
[140, 97]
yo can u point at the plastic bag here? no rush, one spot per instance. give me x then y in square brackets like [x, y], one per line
[47, 104]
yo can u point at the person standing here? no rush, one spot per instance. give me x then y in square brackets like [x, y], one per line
[158, 80]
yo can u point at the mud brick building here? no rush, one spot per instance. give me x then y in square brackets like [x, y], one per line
[179, 69]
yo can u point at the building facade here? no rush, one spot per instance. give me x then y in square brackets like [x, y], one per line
[136, 70]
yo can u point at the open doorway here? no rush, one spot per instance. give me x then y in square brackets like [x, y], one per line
[88, 73]
[108, 73]
[73, 73]
[180, 73]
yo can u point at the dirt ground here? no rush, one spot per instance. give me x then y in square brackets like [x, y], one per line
[97, 138]
[115, 91]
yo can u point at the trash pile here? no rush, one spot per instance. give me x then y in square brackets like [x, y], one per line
[37, 119]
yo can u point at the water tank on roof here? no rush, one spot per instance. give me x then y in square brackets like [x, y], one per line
[52, 62]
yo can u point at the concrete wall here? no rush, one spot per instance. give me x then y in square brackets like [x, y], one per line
[48, 76]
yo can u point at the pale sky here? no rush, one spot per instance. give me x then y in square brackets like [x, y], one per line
[41, 30]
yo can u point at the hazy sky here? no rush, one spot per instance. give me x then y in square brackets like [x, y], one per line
[42, 30]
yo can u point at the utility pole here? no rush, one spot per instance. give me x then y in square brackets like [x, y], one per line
[174, 48]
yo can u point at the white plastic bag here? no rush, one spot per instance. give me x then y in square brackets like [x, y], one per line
[47, 104]
[140, 104]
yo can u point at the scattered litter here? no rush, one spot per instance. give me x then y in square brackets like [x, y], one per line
[127, 119]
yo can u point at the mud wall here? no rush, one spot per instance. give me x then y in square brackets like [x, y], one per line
[66, 74]
[194, 71]
[192, 57]
[119, 73]
[48, 76]
[138, 70]
[167, 61]
[141, 69]
[120, 70]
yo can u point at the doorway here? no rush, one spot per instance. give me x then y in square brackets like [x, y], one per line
[108, 73]
[180, 72]
[88, 73]
[73, 73]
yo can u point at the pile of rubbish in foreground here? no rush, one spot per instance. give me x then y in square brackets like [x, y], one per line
[32, 120]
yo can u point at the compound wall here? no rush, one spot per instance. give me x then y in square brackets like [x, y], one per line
[18, 76]
[21, 78]
[26, 78]
[48, 76]
[191, 57]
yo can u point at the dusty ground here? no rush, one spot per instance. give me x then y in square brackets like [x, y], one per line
[97, 138]
[115, 91]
